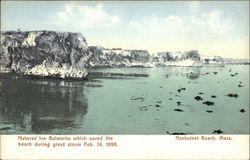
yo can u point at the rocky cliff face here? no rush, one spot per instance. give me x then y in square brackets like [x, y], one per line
[186, 58]
[101, 57]
[212, 60]
[44, 53]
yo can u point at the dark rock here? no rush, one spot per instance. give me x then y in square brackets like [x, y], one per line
[240, 85]
[142, 107]
[208, 111]
[215, 73]
[157, 105]
[178, 103]
[200, 93]
[181, 89]
[213, 96]
[233, 95]
[170, 99]
[198, 98]
[242, 110]
[138, 98]
[208, 103]
[176, 133]
[178, 110]
[217, 131]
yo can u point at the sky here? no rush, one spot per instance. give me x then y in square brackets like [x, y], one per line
[212, 27]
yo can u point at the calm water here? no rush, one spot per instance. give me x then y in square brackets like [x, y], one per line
[128, 101]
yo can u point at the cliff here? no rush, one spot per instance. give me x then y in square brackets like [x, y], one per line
[217, 60]
[67, 55]
[44, 53]
[101, 57]
[186, 58]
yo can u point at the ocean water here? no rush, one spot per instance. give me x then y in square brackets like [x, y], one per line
[157, 100]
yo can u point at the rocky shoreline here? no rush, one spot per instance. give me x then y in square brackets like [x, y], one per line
[67, 55]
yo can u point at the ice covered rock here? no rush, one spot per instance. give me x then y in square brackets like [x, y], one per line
[26, 52]
[214, 60]
[66, 55]
[186, 58]
[101, 57]
[57, 70]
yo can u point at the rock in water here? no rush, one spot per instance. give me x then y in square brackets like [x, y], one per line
[157, 105]
[198, 98]
[178, 103]
[178, 110]
[44, 53]
[208, 103]
[217, 131]
[233, 95]
[242, 110]
[209, 111]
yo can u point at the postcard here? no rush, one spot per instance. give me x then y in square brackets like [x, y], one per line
[124, 80]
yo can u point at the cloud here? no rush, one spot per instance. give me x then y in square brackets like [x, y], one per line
[198, 26]
[85, 17]
[156, 24]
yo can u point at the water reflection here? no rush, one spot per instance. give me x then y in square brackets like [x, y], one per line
[189, 73]
[40, 105]
[194, 73]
